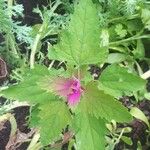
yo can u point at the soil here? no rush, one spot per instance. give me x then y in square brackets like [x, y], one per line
[4, 135]
[21, 114]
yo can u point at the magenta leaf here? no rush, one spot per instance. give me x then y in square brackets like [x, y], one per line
[69, 88]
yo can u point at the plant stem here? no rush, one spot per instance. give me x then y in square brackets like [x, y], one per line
[10, 4]
[10, 39]
[13, 45]
[120, 49]
[34, 142]
[130, 39]
[147, 2]
[146, 75]
[13, 125]
[118, 139]
[39, 35]
[122, 18]
[139, 68]
[34, 47]
[51, 64]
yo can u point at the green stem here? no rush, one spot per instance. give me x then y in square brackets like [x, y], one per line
[34, 47]
[13, 45]
[147, 2]
[122, 18]
[10, 39]
[13, 125]
[146, 75]
[130, 39]
[118, 139]
[120, 49]
[39, 36]
[9, 5]
[34, 142]
[139, 68]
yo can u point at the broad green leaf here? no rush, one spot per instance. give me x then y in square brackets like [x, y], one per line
[26, 92]
[104, 38]
[116, 58]
[54, 117]
[38, 71]
[96, 103]
[34, 116]
[50, 114]
[137, 113]
[90, 134]
[80, 44]
[28, 89]
[117, 81]
[110, 91]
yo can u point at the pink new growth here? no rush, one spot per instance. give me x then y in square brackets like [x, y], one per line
[68, 88]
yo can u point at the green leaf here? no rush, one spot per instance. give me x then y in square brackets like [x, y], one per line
[26, 92]
[96, 103]
[38, 71]
[137, 113]
[104, 38]
[127, 140]
[147, 95]
[117, 81]
[34, 118]
[90, 134]
[120, 31]
[115, 58]
[80, 44]
[50, 114]
[54, 117]
[5, 22]
[146, 18]
[139, 52]
[28, 89]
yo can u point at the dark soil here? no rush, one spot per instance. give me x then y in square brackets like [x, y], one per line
[4, 135]
[21, 114]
